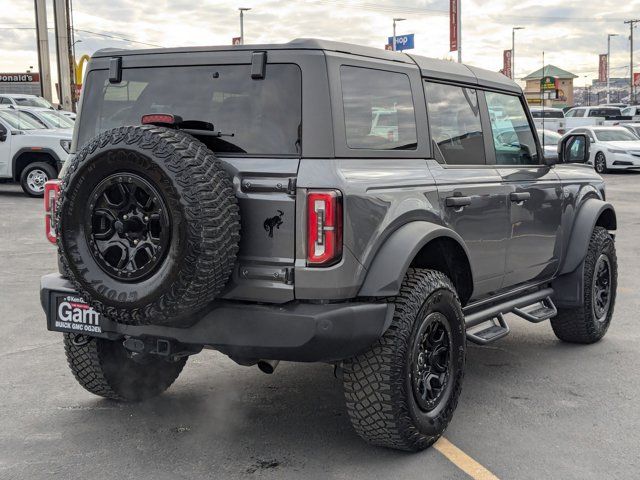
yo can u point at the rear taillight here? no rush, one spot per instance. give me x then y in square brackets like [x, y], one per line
[324, 227]
[51, 191]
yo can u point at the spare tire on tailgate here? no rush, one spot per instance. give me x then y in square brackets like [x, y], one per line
[148, 224]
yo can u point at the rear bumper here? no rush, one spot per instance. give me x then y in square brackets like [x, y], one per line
[294, 331]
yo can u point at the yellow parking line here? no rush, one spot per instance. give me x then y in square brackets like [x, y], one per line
[463, 461]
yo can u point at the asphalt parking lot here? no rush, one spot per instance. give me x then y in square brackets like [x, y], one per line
[531, 406]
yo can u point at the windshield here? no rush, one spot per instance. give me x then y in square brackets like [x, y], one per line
[20, 120]
[549, 138]
[55, 119]
[252, 116]
[613, 135]
[32, 102]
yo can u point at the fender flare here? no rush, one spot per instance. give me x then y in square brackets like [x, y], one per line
[45, 150]
[393, 258]
[583, 225]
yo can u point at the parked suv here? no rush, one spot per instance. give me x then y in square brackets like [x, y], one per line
[241, 199]
[29, 152]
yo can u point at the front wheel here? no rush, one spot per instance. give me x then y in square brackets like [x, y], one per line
[402, 392]
[34, 176]
[600, 163]
[106, 368]
[589, 322]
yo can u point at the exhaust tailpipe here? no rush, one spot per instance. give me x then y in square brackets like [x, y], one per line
[268, 366]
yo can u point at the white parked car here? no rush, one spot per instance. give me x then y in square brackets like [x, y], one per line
[612, 148]
[29, 152]
[24, 100]
[48, 118]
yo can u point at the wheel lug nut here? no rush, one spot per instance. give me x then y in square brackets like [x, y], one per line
[125, 216]
[146, 219]
[135, 242]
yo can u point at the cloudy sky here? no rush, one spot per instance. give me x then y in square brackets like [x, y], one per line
[571, 32]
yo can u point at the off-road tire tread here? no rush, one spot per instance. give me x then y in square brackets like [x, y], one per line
[576, 325]
[87, 362]
[373, 381]
[210, 210]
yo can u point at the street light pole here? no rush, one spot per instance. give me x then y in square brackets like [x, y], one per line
[513, 51]
[632, 25]
[394, 31]
[242, 10]
[609, 65]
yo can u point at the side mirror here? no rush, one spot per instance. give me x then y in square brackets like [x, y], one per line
[574, 149]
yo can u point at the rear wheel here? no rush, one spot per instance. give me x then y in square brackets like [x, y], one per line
[106, 368]
[589, 322]
[600, 163]
[402, 392]
[34, 176]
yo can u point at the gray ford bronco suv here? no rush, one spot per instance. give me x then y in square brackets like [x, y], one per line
[317, 202]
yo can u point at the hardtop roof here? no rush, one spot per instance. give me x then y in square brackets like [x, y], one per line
[429, 67]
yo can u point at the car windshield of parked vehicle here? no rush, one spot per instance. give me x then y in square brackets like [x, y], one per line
[55, 119]
[513, 137]
[615, 135]
[249, 116]
[378, 109]
[547, 113]
[549, 138]
[20, 120]
[32, 102]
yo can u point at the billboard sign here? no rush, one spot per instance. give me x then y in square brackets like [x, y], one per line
[403, 42]
[453, 25]
[506, 63]
[548, 83]
[236, 41]
[636, 79]
[602, 70]
[19, 77]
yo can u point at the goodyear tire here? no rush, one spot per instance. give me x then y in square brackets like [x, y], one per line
[402, 392]
[149, 225]
[105, 368]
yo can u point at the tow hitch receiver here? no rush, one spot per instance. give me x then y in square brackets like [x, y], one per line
[160, 346]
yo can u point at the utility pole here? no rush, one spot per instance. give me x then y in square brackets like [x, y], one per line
[242, 10]
[609, 65]
[632, 25]
[394, 31]
[513, 51]
[63, 52]
[44, 63]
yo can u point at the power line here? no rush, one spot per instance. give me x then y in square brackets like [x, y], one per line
[91, 32]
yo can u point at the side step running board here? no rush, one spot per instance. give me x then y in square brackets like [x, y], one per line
[488, 325]
[538, 312]
[495, 329]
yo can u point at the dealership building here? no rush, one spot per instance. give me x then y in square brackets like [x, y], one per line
[28, 82]
[563, 95]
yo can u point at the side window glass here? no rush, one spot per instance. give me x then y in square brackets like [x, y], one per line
[580, 112]
[5, 101]
[513, 137]
[570, 114]
[454, 122]
[378, 109]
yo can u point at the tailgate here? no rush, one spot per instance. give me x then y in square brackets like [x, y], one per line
[265, 188]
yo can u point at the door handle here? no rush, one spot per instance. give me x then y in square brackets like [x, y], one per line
[457, 202]
[518, 197]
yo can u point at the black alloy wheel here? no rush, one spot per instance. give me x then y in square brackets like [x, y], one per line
[601, 289]
[128, 226]
[431, 361]
[600, 163]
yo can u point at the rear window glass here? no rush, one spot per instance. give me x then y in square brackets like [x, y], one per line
[262, 117]
[547, 114]
[378, 109]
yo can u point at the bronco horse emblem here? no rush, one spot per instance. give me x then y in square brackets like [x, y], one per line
[273, 222]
